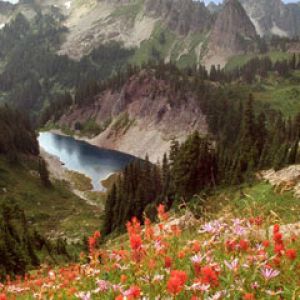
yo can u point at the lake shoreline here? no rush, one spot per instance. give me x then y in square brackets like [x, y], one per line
[64, 153]
[59, 172]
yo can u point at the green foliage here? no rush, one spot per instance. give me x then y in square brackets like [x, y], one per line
[122, 123]
[33, 46]
[21, 247]
[16, 134]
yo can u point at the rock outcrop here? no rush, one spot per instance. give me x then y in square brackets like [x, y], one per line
[287, 179]
[182, 16]
[145, 115]
[233, 33]
[274, 17]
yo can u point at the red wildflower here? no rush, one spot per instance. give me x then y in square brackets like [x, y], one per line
[92, 244]
[196, 247]
[174, 286]
[291, 254]
[277, 260]
[249, 296]
[3, 297]
[176, 282]
[149, 232]
[120, 297]
[181, 275]
[209, 276]
[123, 278]
[230, 245]
[168, 262]
[244, 245]
[134, 292]
[97, 235]
[135, 242]
[163, 216]
[276, 228]
[277, 237]
[266, 243]
[278, 249]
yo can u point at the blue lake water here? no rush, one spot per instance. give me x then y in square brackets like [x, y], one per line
[94, 162]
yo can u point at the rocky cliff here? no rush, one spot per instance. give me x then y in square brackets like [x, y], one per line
[273, 17]
[143, 116]
[183, 17]
[233, 33]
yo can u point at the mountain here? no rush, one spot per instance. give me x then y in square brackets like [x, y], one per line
[146, 108]
[274, 17]
[177, 30]
[233, 33]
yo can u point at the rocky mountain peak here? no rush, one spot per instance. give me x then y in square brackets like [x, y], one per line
[273, 17]
[183, 16]
[232, 32]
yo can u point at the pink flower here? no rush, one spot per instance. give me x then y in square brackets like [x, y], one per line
[197, 259]
[269, 273]
[232, 266]
[103, 285]
[200, 287]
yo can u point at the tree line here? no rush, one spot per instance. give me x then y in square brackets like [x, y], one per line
[202, 163]
[21, 247]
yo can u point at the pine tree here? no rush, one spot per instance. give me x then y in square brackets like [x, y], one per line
[44, 174]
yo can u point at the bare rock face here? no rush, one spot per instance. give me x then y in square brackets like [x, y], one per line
[274, 17]
[6, 9]
[145, 115]
[233, 32]
[183, 16]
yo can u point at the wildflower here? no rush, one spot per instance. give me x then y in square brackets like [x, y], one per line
[176, 282]
[196, 247]
[277, 237]
[133, 293]
[266, 243]
[103, 285]
[83, 295]
[279, 249]
[273, 293]
[244, 245]
[174, 287]
[232, 266]
[135, 242]
[123, 278]
[181, 254]
[209, 276]
[181, 275]
[92, 244]
[168, 262]
[163, 216]
[269, 273]
[291, 254]
[255, 285]
[276, 228]
[97, 235]
[3, 297]
[198, 286]
[230, 245]
[248, 296]
[197, 259]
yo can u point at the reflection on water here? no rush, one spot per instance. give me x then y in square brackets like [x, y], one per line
[97, 163]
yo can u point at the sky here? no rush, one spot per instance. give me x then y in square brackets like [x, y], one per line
[219, 1]
[206, 1]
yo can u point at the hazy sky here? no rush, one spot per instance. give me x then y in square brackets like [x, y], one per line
[206, 1]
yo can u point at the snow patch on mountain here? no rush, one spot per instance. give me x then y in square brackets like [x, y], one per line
[68, 4]
[278, 31]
